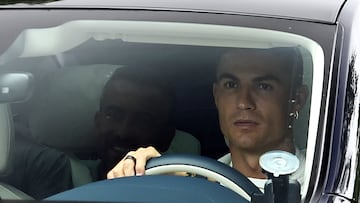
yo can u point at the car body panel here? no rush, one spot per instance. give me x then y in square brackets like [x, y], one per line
[345, 143]
[321, 11]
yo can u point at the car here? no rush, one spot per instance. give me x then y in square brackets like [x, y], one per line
[56, 56]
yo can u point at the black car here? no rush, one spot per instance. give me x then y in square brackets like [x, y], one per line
[56, 57]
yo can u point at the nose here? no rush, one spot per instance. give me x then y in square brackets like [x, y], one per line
[245, 99]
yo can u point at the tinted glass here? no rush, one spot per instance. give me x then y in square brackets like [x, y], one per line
[126, 80]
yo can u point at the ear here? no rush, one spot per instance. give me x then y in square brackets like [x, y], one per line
[215, 93]
[301, 97]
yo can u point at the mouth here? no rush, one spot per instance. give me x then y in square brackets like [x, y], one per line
[245, 123]
[116, 144]
[121, 147]
[115, 153]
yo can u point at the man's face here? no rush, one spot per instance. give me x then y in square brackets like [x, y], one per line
[251, 94]
[132, 116]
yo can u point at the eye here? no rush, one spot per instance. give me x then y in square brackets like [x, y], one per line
[144, 119]
[109, 116]
[230, 84]
[112, 114]
[265, 86]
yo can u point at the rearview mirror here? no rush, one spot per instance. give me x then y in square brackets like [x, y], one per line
[15, 87]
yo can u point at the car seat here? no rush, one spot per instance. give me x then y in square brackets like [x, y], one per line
[62, 115]
[6, 147]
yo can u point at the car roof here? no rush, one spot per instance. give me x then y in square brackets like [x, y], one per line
[319, 11]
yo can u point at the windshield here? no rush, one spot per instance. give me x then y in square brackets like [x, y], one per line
[102, 87]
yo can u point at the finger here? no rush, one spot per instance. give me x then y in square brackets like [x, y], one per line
[116, 172]
[140, 166]
[144, 154]
[128, 167]
[110, 175]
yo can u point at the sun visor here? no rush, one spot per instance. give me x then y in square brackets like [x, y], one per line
[62, 38]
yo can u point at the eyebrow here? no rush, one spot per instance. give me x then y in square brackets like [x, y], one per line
[226, 76]
[112, 107]
[267, 77]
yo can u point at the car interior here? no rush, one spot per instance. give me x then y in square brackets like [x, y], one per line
[60, 110]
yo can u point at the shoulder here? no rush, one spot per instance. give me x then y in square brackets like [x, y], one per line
[299, 174]
[226, 159]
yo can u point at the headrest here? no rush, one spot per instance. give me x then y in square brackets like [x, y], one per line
[6, 137]
[64, 104]
[14, 87]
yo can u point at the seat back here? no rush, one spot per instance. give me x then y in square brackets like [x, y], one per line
[6, 139]
[7, 191]
[14, 87]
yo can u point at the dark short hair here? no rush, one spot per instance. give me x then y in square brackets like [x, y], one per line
[290, 55]
[145, 76]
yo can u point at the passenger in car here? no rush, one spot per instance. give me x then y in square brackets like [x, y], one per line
[258, 93]
[136, 110]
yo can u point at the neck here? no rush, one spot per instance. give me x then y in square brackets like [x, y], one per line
[247, 162]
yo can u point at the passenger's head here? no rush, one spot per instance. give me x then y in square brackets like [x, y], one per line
[136, 110]
[257, 93]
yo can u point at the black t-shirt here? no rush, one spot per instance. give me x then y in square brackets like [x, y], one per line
[38, 170]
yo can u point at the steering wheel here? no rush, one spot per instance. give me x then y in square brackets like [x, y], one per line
[168, 188]
[206, 167]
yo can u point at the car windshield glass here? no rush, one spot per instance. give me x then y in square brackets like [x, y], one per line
[111, 78]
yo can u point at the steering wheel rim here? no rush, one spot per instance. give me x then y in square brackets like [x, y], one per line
[164, 188]
[204, 166]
